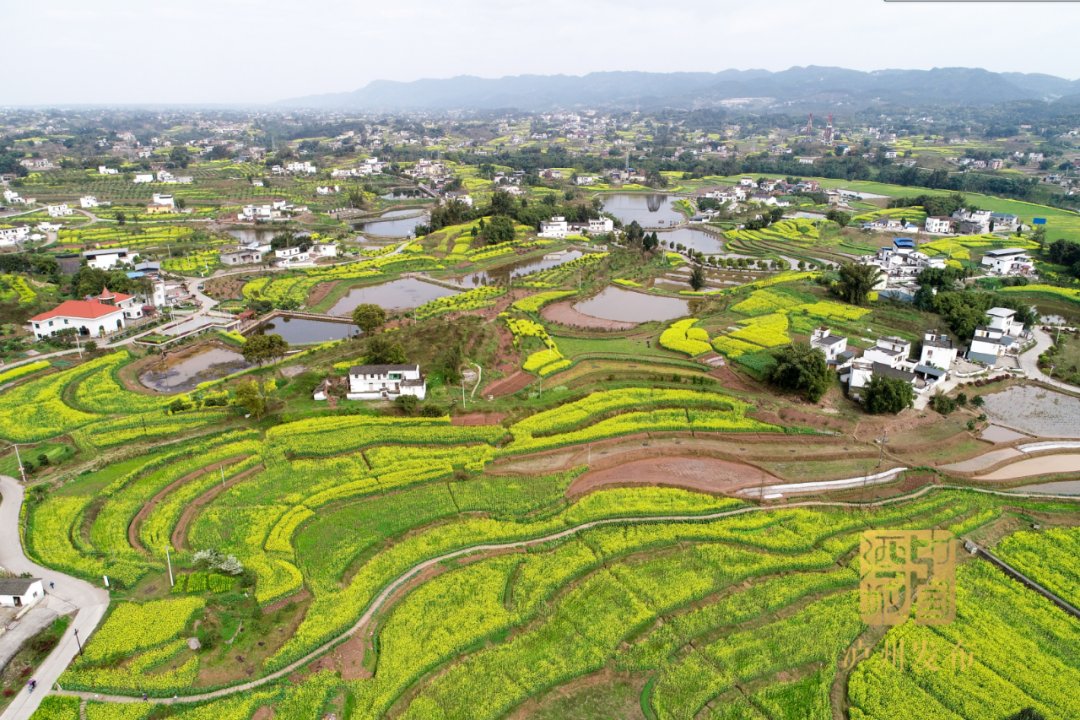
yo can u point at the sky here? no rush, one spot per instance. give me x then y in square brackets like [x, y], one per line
[253, 51]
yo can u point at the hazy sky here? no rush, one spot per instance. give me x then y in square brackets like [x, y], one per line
[238, 51]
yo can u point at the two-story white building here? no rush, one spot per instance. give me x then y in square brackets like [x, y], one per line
[937, 350]
[999, 336]
[598, 226]
[938, 225]
[88, 201]
[556, 228]
[1008, 261]
[61, 210]
[831, 345]
[14, 235]
[383, 382]
[889, 351]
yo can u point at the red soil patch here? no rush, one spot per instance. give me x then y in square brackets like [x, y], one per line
[478, 418]
[137, 521]
[319, 292]
[179, 533]
[297, 597]
[694, 473]
[564, 313]
[266, 712]
[518, 380]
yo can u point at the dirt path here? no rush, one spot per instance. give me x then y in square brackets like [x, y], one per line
[563, 313]
[144, 512]
[478, 418]
[179, 533]
[509, 385]
[838, 697]
[402, 581]
[693, 473]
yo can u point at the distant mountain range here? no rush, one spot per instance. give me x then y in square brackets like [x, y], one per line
[796, 88]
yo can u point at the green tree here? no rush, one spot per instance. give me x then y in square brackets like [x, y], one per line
[502, 203]
[856, 282]
[887, 395]
[697, 277]
[262, 348]
[802, 369]
[498, 229]
[180, 156]
[369, 317]
[254, 397]
[383, 351]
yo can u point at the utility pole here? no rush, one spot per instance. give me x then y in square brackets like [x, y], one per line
[77, 642]
[222, 475]
[881, 454]
[18, 457]
[168, 559]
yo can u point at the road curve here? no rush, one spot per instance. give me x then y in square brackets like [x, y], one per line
[91, 602]
[380, 600]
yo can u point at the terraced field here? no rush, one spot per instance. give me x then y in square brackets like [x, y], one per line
[392, 569]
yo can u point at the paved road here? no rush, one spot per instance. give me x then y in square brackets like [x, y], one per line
[90, 602]
[388, 591]
[1029, 362]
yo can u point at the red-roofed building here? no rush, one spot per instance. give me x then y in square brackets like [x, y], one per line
[101, 315]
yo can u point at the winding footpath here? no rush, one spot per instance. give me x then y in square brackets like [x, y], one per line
[89, 602]
[94, 601]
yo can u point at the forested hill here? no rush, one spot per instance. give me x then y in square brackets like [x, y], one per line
[792, 88]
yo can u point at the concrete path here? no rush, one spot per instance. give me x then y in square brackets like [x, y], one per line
[90, 602]
[1029, 362]
[19, 631]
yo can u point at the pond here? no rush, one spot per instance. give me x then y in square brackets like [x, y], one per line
[394, 223]
[694, 239]
[1033, 410]
[304, 331]
[504, 273]
[403, 294]
[622, 305]
[246, 235]
[1060, 487]
[651, 210]
[185, 374]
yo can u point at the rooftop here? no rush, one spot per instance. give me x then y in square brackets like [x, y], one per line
[380, 369]
[83, 309]
[16, 586]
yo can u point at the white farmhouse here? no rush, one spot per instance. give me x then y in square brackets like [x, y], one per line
[937, 351]
[1000, 335]
[555, 228]
[602, 225]
[291, 255]
[889, 351]
[20, 592]
[831, 345]
[372, 382]
[15, 235]
[143, 178]
[88, 317]
[939, 225]
[88, 201]
[61, 210]
[1008, 261]
[106, 259]
[103, 170]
